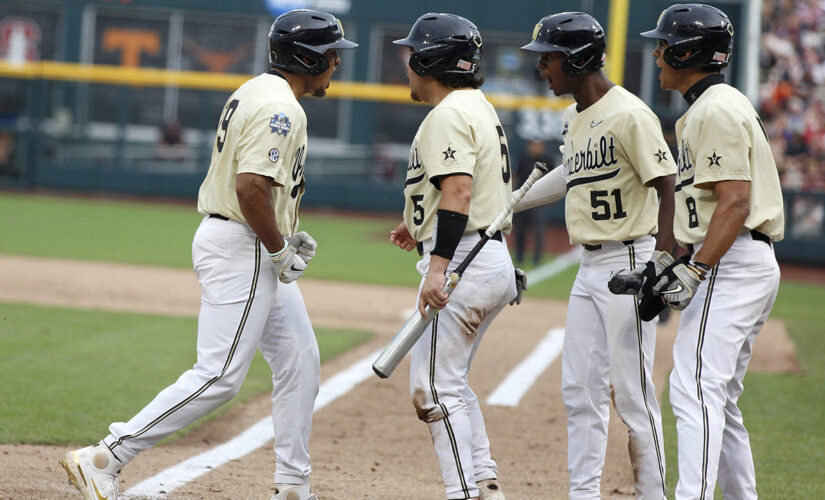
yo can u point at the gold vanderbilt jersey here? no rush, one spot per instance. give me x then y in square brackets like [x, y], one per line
[262, 130]
[462, 134]
[611, 150]
[722, 138]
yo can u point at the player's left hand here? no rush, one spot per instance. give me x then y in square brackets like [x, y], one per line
[304, 243]
[432, 292]
[678, 283]
[401, 237]
[521, 285]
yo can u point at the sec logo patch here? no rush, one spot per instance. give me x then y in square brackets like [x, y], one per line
[274, 155]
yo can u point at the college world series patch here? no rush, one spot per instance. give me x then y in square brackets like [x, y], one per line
[274, 155]
[280, 124]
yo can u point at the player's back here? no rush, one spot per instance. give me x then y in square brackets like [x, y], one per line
[261, 127]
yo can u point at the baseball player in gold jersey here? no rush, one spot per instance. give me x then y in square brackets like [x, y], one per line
[615, 162]
[729, 210]
[458, 181]
[247, 254]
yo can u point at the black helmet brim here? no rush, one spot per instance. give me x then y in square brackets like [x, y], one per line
[542, 47]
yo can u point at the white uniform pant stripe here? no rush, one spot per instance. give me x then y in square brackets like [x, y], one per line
[604, 350]
[701, 340]
[643, 376]
[444, 410]
[440, 362]
[710, 358]
[210, 382]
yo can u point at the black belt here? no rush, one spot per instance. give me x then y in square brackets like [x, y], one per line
[756, 235]
[419, 247]
[218, 216]
[599, 246]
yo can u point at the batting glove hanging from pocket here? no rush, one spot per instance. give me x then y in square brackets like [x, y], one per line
[521, 286]
[289, 266]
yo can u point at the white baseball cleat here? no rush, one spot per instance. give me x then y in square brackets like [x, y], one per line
[94, 471]
[490, 490]
[293, 492]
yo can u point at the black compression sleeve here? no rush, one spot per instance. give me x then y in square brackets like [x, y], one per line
[449, 228]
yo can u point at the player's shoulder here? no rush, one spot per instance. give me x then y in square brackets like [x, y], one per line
[623, 101]
[458, 105]
[722, 102]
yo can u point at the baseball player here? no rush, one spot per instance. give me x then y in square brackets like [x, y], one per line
[247, 254]
[458, 181]
[729, 210]
[615, 162]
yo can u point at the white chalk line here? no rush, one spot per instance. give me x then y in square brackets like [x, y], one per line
[249, 440]
[516, 384]
[520, 379]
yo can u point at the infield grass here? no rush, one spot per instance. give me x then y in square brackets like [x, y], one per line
[68, 373]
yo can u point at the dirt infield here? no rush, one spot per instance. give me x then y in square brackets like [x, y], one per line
[367, 444]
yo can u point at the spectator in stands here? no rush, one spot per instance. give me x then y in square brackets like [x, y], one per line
[793, 93]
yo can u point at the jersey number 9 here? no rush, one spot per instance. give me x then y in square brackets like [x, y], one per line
[227, 115]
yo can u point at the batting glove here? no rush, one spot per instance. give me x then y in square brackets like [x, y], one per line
[521, 286]
[305, 245]
[289, 266]
[678, 283]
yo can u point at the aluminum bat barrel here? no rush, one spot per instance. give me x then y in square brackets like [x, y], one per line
[401, 344]
[408, 335]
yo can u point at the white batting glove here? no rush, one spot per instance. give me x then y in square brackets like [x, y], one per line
[289, 266]
[678, 285]
[305, 245]
[521, 286]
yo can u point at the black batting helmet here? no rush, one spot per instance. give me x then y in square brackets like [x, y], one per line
[443, 44]
[299, 39]
[576, 34]
[704, 31]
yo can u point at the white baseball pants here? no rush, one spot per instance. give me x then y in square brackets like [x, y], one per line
[243, 308]
[710, 355]
[440, 362]
[608, 353]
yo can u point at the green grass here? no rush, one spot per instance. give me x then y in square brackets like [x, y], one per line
[349, 248]
[67, 373]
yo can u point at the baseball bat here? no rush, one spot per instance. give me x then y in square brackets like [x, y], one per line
[624, 284]
[414, 327]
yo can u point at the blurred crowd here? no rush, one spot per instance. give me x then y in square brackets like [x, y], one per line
[792, 94]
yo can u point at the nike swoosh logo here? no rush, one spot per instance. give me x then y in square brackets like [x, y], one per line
[296, 270]
[678, 289]
[595, 124]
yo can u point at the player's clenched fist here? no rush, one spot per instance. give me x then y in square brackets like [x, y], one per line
[678, 283]
[289, 266]
[305, 245]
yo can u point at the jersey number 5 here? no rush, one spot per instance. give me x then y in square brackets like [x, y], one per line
[227, 115]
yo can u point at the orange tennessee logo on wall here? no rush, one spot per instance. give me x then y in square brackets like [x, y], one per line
[131, 44]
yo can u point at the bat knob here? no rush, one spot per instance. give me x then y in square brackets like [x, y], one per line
[542, 167]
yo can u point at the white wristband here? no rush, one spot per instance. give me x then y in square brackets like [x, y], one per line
[275, 255]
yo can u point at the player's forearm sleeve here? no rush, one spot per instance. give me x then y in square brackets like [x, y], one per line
[551, 187]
